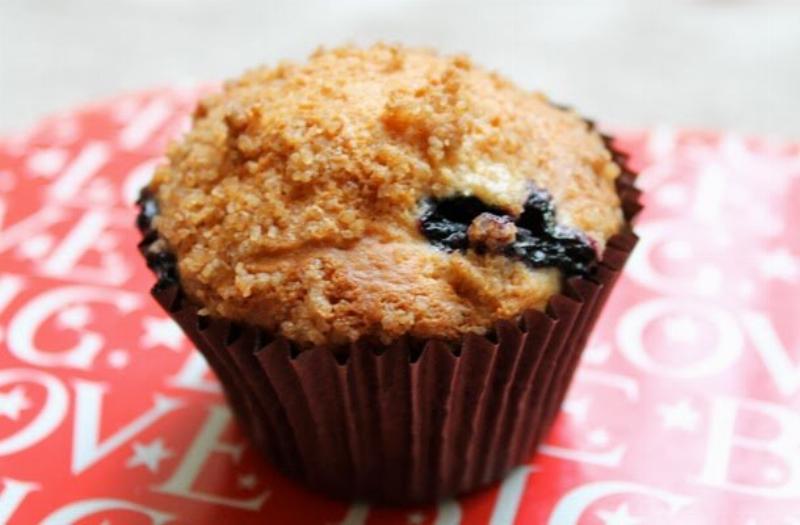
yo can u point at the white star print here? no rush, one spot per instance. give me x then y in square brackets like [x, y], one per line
[577, 408]
[118, 359]
[13, 402]
[620, 516]
[247, 482]
[127, 303]
[46, 162]
[158, 331]
[681, 329]
[599, 437]
[680, 415]
[415, 518]
[780, 264]
[149, 455]
[35, 247]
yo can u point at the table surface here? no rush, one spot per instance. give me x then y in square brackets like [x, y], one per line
[715, 64]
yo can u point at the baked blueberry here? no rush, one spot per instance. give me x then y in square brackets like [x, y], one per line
[542, 242]
[535, 237]
[445, 222]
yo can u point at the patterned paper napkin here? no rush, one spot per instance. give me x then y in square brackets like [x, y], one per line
[686, 408]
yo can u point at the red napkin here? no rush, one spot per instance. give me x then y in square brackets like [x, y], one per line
[685, 410]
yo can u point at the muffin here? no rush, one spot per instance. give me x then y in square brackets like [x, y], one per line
[391, 259]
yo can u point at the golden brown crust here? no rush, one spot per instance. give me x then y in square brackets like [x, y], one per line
[293, 201]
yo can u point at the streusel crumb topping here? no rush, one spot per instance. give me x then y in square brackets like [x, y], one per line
[294, 201]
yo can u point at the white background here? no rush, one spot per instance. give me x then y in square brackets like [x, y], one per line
[721, 64]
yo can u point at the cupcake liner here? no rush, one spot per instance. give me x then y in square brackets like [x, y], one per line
[412, 421]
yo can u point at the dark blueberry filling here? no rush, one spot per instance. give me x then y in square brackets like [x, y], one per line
[162, 262]
[445, 222]
[165, 266]
[540, 241]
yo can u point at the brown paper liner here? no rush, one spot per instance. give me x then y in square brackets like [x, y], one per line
[413, 421]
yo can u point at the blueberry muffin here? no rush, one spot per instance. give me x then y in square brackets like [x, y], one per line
[387, 240]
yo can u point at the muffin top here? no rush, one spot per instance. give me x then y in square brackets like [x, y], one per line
[380, 192]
